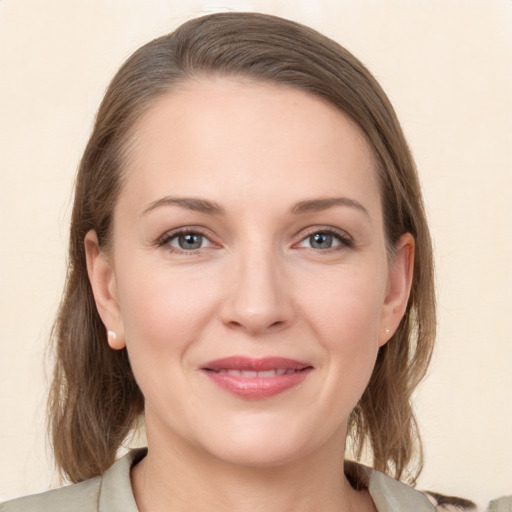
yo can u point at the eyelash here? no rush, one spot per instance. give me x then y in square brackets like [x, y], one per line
[345, 241]
[165, 240]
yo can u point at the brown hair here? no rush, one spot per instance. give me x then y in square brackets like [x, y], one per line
[94, 400]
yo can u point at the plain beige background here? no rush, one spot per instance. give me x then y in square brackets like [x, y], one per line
[446, 65]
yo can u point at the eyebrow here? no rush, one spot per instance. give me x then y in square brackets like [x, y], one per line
[321, 204]
[206, 206]
[190, 203]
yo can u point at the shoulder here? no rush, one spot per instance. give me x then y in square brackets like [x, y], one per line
[82, 497]
[503, 504]
[389, 494]
[111, 492]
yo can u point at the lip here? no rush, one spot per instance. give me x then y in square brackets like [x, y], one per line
[256, 378]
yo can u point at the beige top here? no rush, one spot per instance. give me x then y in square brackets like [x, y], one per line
[503, 504]
[112, 492]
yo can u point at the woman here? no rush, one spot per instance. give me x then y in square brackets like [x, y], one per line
[251, 272]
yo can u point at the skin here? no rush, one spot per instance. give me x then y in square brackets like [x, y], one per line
[258, 286]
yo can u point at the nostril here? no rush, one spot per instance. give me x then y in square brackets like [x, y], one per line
[254, 326]
[234, 324]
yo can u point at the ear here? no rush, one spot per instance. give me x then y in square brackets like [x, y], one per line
[103, 284]
[398, 288]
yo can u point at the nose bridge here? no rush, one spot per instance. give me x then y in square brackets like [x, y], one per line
[258, 298]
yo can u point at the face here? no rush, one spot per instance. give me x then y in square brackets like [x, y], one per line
[248, 274]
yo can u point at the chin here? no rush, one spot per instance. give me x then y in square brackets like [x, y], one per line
[271, 446]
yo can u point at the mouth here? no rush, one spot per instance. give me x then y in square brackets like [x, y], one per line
[255, 379]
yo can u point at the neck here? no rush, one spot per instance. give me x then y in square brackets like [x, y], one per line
[181, 478]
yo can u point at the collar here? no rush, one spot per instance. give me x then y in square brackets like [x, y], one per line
[389, 495]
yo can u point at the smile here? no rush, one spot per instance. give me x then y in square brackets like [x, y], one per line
[256, 379]
[263, 374]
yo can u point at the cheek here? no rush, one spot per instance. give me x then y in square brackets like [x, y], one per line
[346, 318]
[164, 311]
[347, 309]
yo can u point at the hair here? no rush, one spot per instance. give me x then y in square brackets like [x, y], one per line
[94, 401]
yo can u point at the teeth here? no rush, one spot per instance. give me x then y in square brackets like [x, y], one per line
[267, 373]
[262, 374]
[242, 373]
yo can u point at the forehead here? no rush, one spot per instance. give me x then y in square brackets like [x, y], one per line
[247, 137]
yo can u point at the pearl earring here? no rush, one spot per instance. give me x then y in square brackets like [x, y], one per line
[112, 334]
[386, 330]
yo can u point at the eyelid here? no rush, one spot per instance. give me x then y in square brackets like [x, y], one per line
[184, 230]
[342, 236]
[345, 240]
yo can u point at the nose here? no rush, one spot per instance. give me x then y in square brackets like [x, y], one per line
[259, 294]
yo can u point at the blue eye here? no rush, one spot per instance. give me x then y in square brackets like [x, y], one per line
[324, 240]
[188, 241]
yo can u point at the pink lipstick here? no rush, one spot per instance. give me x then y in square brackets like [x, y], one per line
[256, 379]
